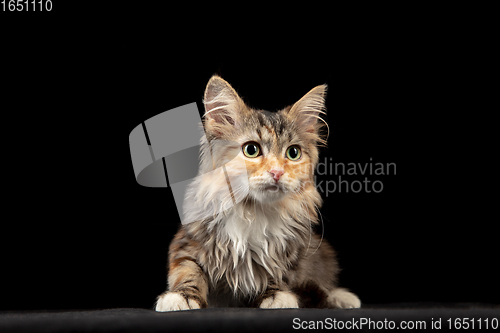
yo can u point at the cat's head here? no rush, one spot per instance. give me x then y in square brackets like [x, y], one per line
[278, 150]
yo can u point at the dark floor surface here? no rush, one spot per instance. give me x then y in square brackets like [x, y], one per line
[370, 317]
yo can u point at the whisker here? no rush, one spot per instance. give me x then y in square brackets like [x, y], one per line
[322, 234]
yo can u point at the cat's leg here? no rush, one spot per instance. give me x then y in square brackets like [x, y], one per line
[188, 287]
[277, 297]
[187, 283]
[315, 278]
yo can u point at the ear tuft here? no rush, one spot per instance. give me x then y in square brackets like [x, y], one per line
[222, 103]
[307, 111]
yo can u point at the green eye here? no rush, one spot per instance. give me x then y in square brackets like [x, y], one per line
[293, 153]
[251, 149]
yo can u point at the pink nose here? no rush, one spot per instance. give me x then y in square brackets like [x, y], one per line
[276, 174]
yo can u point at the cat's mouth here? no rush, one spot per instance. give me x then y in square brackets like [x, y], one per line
[272, 188]
[267, 193]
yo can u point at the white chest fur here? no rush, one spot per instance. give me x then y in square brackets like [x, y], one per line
[253, 243]
[255, 229]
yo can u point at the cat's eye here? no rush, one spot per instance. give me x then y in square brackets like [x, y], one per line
[293, 153]
[251, 149]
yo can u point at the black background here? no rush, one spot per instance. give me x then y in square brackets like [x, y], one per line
[79, 232]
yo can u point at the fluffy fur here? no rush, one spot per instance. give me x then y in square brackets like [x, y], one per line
[250, 239]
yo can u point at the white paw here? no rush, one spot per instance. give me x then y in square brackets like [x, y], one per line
[281, 300]
[341, 298]
[174, 302]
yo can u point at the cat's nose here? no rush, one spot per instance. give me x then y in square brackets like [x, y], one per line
[276, 174]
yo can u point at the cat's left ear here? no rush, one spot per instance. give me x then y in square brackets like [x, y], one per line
[307, 111]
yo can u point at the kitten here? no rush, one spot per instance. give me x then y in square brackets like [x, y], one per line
[258, 248]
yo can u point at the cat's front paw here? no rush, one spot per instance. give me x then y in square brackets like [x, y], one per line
[172, 301]
[341, 298]
[280, 300]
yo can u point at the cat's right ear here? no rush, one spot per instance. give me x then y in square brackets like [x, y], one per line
[222, 105]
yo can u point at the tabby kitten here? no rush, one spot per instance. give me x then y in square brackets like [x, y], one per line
[257, 248]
